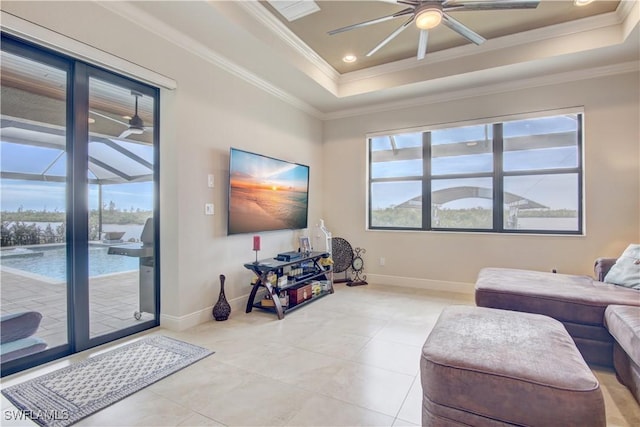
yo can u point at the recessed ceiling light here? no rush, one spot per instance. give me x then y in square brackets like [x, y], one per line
[91, 120]
[582, 2]
[349, 58]
[126, 117]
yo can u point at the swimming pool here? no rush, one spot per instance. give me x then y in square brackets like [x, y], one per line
[51, 261]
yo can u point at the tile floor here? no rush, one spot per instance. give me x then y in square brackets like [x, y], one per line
[348, 359]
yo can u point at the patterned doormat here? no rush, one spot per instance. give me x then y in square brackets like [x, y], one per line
[67, 395]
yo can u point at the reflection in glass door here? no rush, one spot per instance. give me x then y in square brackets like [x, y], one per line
[33, 187]
[121, 207]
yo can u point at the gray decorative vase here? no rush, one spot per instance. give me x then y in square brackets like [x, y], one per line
[222, 309]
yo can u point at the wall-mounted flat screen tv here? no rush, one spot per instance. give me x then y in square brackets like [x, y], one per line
[266, 194]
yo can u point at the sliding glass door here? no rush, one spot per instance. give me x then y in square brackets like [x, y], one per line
[79, 182]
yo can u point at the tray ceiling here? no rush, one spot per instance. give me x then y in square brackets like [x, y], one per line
[312, 29]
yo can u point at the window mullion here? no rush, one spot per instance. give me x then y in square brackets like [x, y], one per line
[580, 175]
[426, 181]
[541, 172]
[498, 178]
[370, 184]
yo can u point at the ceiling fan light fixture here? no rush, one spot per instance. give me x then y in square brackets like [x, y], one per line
[429, 16]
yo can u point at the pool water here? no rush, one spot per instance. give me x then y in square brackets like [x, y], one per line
[51, 262]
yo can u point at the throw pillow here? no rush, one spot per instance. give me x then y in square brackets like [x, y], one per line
[626, 270]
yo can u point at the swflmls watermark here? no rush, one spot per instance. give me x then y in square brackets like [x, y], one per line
[48, 415]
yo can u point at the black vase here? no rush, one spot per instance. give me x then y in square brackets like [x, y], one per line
[222, 309]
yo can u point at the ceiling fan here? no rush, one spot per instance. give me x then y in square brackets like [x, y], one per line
[136, 124]
[429, 14]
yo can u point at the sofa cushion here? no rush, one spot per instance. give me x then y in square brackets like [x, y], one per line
[626, 270]
[566, 297]
[19, 325]
[623, 322]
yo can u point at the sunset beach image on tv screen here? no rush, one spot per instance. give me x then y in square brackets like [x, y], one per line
[266, 193]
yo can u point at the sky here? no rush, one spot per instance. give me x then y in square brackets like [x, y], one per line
[553, 191]
[257, 169]
[36, 195]
[39, 195]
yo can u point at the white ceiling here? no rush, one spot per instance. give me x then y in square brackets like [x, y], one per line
[247, 39]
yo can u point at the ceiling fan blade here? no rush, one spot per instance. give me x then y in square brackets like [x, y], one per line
[390, 36]
[489, 5]
[462, 29]
[403, 12]
[125, 134]
[422, 44]
[108, 118]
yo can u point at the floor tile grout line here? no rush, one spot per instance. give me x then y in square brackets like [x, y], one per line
[415, 378]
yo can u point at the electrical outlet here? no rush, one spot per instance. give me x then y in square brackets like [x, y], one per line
[208, 208]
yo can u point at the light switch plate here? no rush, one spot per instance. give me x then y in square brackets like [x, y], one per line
[210, 180]
[208, 208]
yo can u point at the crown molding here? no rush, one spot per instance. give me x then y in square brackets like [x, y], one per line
[625, 7]
[625, 12]
[170, 34]
[259, 12]
[627, 15]
[510, 86]
[629, 12]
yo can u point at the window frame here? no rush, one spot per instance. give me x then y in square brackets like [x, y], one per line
[498, 175]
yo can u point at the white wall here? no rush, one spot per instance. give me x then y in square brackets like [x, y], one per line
[612, 187]
[209, 112]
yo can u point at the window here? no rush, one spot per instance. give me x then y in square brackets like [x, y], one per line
[516, 176]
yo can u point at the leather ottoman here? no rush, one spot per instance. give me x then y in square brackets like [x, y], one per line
[489, 367]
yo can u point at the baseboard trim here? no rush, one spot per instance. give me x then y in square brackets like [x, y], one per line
[180, 323]
[238, 305]
[429, 284]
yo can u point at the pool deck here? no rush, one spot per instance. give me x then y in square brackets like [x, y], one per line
[113, 299]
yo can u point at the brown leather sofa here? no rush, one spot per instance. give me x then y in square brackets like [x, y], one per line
[579, 302]
[623, 322]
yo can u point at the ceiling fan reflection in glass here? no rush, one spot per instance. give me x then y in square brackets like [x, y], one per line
[135, 126]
